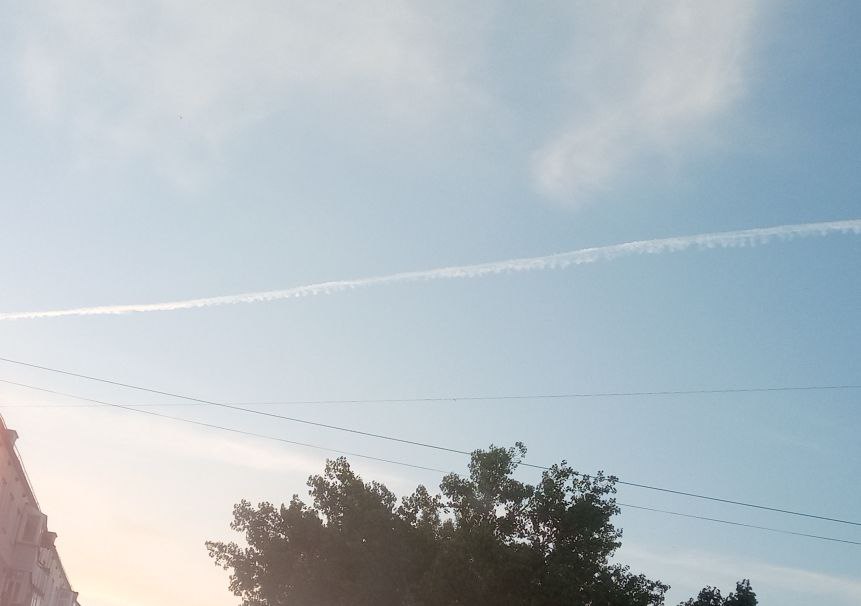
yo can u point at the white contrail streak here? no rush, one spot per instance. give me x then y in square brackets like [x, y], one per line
[730, 239]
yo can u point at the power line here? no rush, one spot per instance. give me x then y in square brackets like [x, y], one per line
[563, 396]
[421, 444]
[425, 445]
[412, 443]
[482, 398]
[433, 399]
[719, 521]
[430, 446]
[103, 404]
[266, 414]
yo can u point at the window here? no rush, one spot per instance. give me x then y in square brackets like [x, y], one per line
[31, 528]
[10, 592]
[5, 500]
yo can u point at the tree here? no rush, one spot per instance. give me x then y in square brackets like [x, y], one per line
[708, 596]
[743, 596]
[711, 596]
[486, 539]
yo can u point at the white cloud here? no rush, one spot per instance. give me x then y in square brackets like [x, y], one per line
[638, 80]
[732, 239]
[644, 80]
[171, 82]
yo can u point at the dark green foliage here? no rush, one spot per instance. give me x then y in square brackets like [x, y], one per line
[743, 596]
[711, 596]
[487, 539]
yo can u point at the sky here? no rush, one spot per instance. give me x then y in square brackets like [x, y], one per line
[156, 151]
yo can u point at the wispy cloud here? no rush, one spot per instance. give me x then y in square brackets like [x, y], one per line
[645, 79]
[171, 82]
[731, 239]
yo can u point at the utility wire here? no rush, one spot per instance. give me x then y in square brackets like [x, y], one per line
[485, 398]
[432, 399]
[719, 521]
[265, 414]
[421, 444]
[104, 404]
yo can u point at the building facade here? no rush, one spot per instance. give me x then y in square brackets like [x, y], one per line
[31, 573]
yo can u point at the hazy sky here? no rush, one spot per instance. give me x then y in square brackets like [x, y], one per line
[161, 151]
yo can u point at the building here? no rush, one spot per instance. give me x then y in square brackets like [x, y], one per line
[31, 573]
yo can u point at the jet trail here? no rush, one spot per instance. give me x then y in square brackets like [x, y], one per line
[730, 239]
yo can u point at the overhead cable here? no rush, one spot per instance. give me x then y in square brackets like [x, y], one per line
[719, 521]
[435, 446]
[104, 404]
[455, 398]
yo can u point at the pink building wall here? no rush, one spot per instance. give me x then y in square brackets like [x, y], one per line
[31, 573]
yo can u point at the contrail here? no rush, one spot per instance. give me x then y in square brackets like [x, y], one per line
[729, 239]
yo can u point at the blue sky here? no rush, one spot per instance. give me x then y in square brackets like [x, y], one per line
[154, 151]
